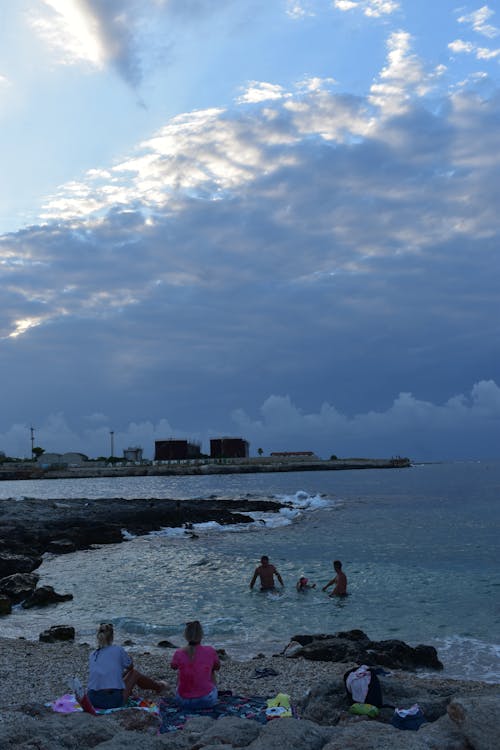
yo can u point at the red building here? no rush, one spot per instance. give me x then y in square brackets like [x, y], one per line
[228, 447]
[176, 450]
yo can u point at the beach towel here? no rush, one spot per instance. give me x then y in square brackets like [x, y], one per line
[173, 718]
[68, 704]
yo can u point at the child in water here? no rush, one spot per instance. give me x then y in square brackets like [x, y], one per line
[303, 584]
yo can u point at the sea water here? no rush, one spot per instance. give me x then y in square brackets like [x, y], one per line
[420, 547]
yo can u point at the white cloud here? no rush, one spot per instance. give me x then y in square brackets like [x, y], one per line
[478, 20]
[403, 77]
[298, 9]
[411, 426]
[370, 8]
[260, 91]
[72, 30]
[481, 53]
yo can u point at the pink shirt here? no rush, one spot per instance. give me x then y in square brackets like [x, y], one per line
[195, 675]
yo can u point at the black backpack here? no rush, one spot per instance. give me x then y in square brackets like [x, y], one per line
[374, 693]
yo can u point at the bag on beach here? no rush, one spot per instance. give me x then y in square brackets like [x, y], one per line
[408, 718]
[363, 686]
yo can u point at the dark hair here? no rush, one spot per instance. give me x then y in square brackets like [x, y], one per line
[105, 634]
[337, 564]
[264, 557]
[193, 633]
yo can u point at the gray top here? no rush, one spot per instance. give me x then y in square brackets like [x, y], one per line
[106, 667]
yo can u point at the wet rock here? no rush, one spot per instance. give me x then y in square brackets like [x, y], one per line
[43, 596]
[61, 546]
[18, 586]
[11, 563]
[355, 646]
[57, 633]
[5, 605]
[165, 644]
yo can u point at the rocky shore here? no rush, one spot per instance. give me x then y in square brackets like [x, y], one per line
[30, 527]
[460, 715]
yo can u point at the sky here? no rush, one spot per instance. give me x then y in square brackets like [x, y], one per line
[270, 219]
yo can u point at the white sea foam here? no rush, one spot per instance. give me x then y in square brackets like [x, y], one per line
[469, 658]
[294, 508]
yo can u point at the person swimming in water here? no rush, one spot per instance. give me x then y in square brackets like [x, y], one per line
[266, 572]
[339, 582]
[303, 584]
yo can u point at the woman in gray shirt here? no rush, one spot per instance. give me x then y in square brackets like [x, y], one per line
[112, 676]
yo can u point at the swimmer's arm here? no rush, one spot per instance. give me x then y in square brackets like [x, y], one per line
[254, 578]
[280, 579]
[330, 583]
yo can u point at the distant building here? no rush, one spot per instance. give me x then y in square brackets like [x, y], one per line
[132, 454]
[176, 450]
[229, 447]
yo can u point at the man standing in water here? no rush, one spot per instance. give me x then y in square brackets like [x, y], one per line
[266, 572]
[340, 581]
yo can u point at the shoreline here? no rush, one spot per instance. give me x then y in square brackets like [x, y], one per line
[13, 472]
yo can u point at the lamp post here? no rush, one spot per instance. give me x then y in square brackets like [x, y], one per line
[112, 435]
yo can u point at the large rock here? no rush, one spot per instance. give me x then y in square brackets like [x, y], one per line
[371, 735]
[43, 596]
[11, 563]
[231, 730]
[478, 718]
[292, 735]
[5, 605]
[355, 646]
[18, 586]
[57, 633]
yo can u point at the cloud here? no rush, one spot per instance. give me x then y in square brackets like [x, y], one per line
[402, 78]
[336, 248]
[370, 8]
[478, 20]
[409, 427]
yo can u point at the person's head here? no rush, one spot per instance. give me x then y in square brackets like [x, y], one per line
[264, 560]
[193, 632]
[337, 565]
[105, 634]
[302, 581]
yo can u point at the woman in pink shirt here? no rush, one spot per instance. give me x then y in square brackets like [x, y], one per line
[195, 666]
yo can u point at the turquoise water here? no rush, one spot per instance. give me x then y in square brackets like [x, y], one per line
[419, 546]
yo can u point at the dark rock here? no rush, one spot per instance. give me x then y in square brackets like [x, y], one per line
[13, 563]
[61, 546]
[18, 586]
[44, 595]
[58, 633]
[355, 646]
[5, 605]
[165, 644]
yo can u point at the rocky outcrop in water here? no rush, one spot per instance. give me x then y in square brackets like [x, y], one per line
[31, 527]
[355, 646]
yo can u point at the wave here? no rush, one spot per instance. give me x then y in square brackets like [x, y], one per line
[294, 507]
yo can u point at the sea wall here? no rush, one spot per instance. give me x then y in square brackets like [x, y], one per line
[200, 468]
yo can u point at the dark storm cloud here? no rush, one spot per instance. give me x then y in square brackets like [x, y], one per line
[271, 264]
